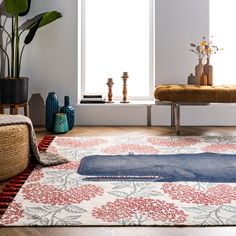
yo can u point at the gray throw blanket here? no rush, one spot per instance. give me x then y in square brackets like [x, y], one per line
[44, 157]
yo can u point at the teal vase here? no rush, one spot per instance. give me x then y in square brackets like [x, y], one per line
[52, 107]
[69, 111]
[61, 124]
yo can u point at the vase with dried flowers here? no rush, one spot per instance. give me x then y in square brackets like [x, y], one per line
[204, 49]
[210, 49]
[199, 51]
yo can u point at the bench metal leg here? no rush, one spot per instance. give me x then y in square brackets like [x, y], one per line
[173, 114]
[177, 106]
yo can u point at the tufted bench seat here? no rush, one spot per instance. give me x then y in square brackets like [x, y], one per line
[192, 94]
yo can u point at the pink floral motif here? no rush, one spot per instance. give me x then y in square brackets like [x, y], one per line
[36, 175]
[125, 208]
[12, 214]
[172, 142]
[218, 147]
[73, 143]
[67, 166]
[52, 149]
[136, 148]
[50, 195]
[216, 195]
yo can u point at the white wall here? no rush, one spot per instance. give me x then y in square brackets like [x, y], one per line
[178, 23]
[50, 61]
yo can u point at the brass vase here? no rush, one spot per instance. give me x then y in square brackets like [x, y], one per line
[208, 70]
[198, 71]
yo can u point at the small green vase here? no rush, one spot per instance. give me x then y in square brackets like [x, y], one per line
[69, 111]
[60, 124]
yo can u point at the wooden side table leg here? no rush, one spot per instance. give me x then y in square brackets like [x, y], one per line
[16, 109]
[26, 110]
[12, 109]
[1, 109]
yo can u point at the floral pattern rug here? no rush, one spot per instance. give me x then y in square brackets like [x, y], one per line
[56, 195]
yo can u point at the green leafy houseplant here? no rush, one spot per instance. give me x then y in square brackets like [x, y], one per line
[14, 45]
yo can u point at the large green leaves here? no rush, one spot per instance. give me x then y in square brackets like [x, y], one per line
[27, 10]
[39, 21]
[29, 37]
[49, 17]
[30, 22]
[15, 7]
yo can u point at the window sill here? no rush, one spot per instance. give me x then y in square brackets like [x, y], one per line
[118, 103]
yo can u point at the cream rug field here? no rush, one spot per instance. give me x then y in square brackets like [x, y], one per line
[57, 195]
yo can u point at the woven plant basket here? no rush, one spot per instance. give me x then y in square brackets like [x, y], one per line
[14, 150]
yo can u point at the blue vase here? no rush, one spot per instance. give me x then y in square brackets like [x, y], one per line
[61, 124]
[69, 111]
[52, 107]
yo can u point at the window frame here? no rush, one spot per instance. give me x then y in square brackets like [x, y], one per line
[82, 54]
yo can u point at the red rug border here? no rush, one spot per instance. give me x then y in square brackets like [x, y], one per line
[15, 183]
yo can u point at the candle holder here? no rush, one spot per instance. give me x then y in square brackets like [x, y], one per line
[125, 77]
[109, 84]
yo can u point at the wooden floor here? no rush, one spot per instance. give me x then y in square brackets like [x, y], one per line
[128, 231]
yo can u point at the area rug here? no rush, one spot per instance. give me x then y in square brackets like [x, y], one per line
[57, 196]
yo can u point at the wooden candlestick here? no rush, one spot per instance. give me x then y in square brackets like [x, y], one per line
[110, 83]
[125, 77]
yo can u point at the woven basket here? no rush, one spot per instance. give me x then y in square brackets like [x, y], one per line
[14, 150]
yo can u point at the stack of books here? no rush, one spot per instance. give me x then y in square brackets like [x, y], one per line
[93, 98]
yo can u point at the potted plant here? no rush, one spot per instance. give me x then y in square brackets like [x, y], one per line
[13, 87]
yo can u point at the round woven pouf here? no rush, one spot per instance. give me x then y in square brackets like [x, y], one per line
[14, 150]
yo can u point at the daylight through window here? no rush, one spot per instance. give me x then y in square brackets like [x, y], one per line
[118, 37]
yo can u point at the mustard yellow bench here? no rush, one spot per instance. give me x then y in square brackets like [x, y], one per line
[177, 95]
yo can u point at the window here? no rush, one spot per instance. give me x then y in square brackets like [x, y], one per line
[222, 28]
[117, 37]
